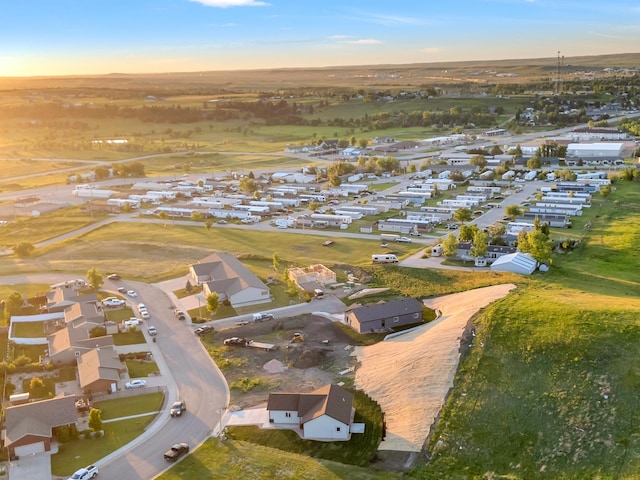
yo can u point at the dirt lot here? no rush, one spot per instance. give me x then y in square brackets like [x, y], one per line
[310, 364]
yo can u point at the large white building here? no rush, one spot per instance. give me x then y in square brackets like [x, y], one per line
[605, 150]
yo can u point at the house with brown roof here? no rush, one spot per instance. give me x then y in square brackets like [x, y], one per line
[384, 316]
[67, 344]
[230, 279]
[83, 313]
[99, 371]
[325, 414]
[29, 427]
[61, 298]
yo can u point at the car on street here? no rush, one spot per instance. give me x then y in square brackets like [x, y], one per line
[178, 408]
[259, 317]
[132, 293]
[113, 276]
[452, 226]
[235, 341]
[403, 240]
[180, 315]
[112, 302]
[122, 290]
[136, 384]
[141, 306]
[204, 329]
[176, 451]
[222, 222]
[145, 314]
[152, 330]
[85, 473]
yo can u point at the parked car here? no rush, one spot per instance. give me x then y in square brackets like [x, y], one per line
[180, 315]
[152, 330]
[132, 293]
[85, 473]
[403, 240]
[176, 451]
[136, 384]
[112, 302]
[259, 317]
[122, 290]
[145, 314]
[222, 222]
[178, 408]
[113, 276]
[452, 226]
[235, 341]
[204, 329]
[141, 306]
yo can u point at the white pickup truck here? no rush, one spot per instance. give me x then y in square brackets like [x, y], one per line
[85, 473]
[259, 317]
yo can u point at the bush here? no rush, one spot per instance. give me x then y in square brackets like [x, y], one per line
[22, 360]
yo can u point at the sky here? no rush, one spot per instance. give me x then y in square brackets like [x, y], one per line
[79, 37]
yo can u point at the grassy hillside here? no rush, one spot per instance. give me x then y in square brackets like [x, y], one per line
[551, 387]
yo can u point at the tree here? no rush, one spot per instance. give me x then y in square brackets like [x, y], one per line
[478, 161]
[95, 419]
[14, 304]
[363, 142]
[248, 184]
[467, 232]
[534, 163]
[95, 279]
[37, 387]
[197, 216]
[462, 215]
[276, 262]
[208, 223]
[188, 287]
[513, 211]
[334, 179]
[24, 249]
[412, 168]
[450, 245]
[480, 244]
[353, 140]
[605, 190]
[213, 302]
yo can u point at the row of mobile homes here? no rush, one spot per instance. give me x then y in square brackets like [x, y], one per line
[572, 210]
[584, 202]
[228, 214]
[401, 227]
[333, 220]
[453, 203]
[353, 187]
[92, 193]
[123, 202]
[364, 210]
[553, 220]
[348, 213]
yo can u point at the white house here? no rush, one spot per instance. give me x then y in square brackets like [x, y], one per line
[230, 279]
[325, 414]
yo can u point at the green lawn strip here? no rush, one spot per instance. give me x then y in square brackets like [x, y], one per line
[182, 293]
[119, 315]
[4, 345]
[128, 338]
[141, 368]
[359, 450]
[80, 453]
[28, 329]
[237, 459]
[125, 407]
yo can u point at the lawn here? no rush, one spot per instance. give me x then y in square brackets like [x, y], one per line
[238, 459]
[119, 315]
[28, 329]
[80, 453]
[129, 338]
[31, 351]
[124, 407]
[67, 374]
[141, 368]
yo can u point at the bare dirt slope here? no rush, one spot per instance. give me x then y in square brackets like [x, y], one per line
[410, 375]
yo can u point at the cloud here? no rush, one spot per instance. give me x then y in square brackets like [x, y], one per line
[232, 3]
[363, 41]
[430, 50]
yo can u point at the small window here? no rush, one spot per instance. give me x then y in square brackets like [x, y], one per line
[416, 315]
[337, 429]
[288, 414]
[396, 319]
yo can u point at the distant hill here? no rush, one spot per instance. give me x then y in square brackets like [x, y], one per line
[367, 76]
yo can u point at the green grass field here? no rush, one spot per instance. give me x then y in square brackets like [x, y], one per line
[28, 329]
[141, 368]
[550, 388]
[125, 407]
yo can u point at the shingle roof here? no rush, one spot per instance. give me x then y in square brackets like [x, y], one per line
[38, 418]
[331, 400]
[376, 311]
[98, 364]
[223, 268]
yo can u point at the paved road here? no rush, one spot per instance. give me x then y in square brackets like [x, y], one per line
[190, 374]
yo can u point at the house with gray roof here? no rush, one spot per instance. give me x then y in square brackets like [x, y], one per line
[29, 427]
[99, 371]
[230, 279]
[67, 344]
[325, 414]
[384, 316]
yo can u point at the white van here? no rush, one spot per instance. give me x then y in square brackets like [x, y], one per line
[384, 258]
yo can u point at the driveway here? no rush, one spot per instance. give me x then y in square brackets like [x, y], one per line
[32, 467]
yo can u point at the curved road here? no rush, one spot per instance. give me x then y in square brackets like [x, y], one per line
[190, 374]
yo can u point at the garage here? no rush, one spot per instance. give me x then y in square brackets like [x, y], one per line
[31, 449]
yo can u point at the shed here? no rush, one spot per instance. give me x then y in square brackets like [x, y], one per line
[518, 262]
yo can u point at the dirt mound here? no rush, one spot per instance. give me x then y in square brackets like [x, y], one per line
[310, 358]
